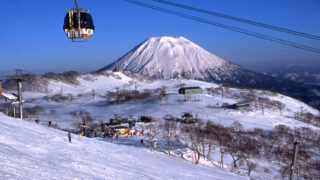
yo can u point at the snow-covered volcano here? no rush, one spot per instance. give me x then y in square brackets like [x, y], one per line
[177, 57]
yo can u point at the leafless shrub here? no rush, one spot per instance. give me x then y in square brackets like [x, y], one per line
[88, 77]
[70, 77]
[59, 98]
[35, 110]
[53, 76]
[266, 170]
[31, 83]
[101, 73]
[122, 96]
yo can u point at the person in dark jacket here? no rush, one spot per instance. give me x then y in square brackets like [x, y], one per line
[69, 136]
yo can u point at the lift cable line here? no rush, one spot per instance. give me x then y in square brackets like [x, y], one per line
[240, 30]
[306, 35]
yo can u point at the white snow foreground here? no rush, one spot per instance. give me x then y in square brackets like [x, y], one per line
[31, 151]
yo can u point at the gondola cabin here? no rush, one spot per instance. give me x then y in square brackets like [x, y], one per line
[78, 24]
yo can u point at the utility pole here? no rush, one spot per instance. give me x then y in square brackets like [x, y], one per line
[7, 107]
[93, 94]
[294, 157]
[14, 110]
[18, 78]
[5, 98]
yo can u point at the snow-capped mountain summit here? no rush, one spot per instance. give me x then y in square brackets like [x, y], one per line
[176, 57]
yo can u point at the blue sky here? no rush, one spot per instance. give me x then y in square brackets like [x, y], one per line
[31, 35]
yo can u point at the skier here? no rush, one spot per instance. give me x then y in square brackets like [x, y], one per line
[80, 135]
[69, 136]
[154, 144]
[141, 142]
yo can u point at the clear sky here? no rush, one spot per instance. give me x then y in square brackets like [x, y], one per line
[32, 38]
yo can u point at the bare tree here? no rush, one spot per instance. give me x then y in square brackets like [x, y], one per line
[87, 121]
[233, 150]
[169, 133]
[209, 90]
[236, 126]
[209, 136]
[249, 150]
[221, 89]
[233, 147]
[153, 129]
[251, 166]
[222, 137]
[194, 137]
[280, 106]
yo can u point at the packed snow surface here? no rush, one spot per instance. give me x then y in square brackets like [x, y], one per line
[31, 151]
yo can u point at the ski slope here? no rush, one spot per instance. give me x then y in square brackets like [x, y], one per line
[31, 151]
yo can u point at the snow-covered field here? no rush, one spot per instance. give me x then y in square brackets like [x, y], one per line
[37, 152]
[31, 151]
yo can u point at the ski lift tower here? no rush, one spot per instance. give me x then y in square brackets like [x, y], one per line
[19, 79]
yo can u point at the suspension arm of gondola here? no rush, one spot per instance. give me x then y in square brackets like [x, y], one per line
[75, 1]
[79, 20]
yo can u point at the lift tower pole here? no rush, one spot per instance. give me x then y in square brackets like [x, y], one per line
[294, 158]
[20, 97]
[18, 78]
[75, 1]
